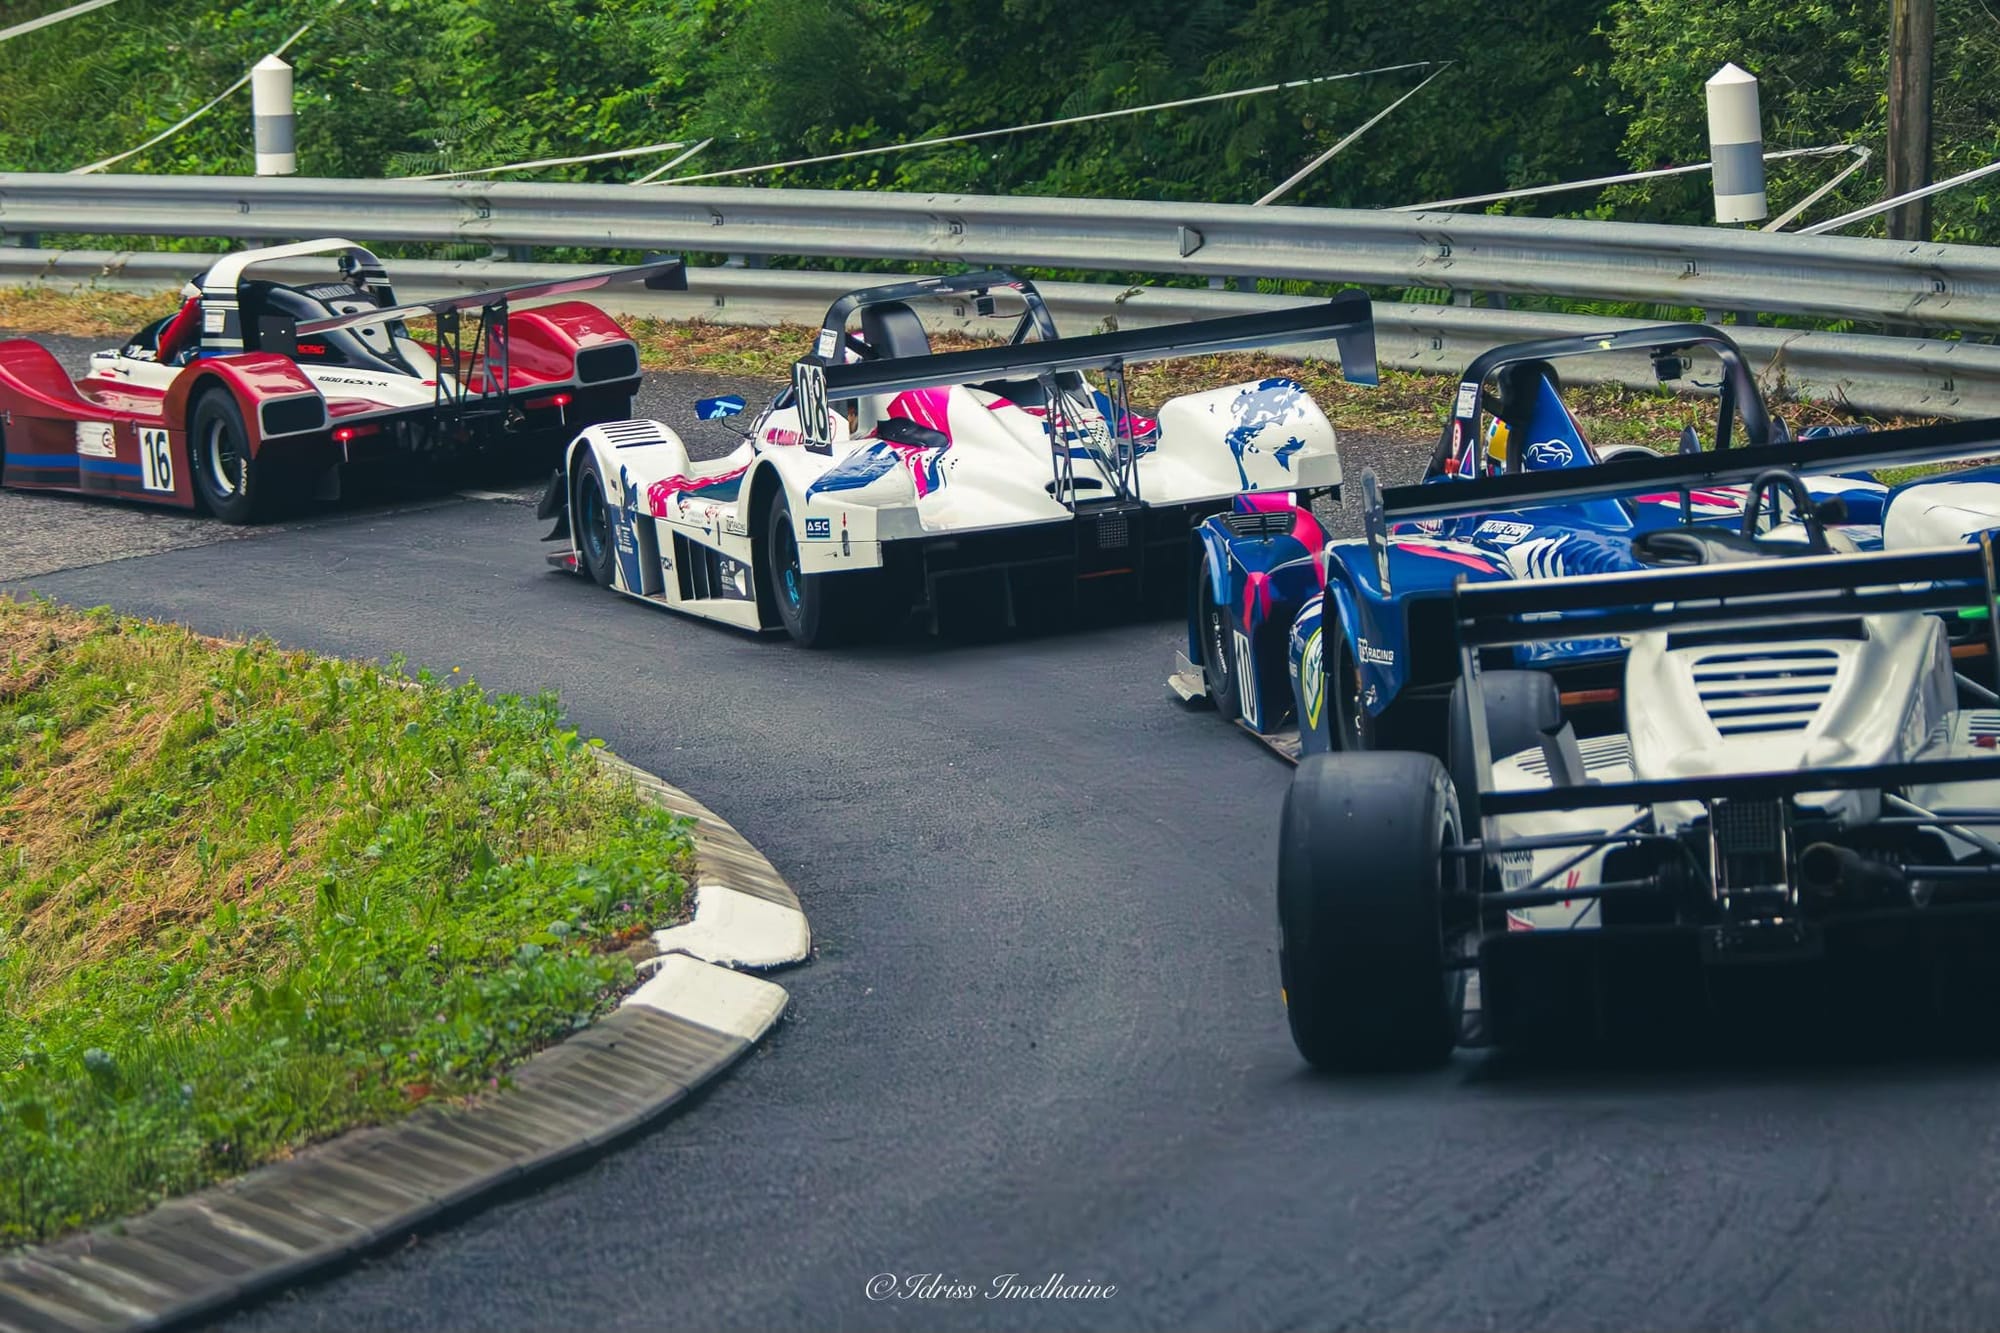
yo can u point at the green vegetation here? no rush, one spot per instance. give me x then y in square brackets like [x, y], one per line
[1541, 91]
[249, 897]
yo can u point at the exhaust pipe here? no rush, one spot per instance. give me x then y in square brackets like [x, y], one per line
[1830, 871]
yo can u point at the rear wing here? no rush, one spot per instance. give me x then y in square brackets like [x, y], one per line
[1783, 594]
[661, 275]
[1666, 343]
[1347, 319]
[1945, 442]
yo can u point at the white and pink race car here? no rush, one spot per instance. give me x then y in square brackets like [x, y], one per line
[890, 479]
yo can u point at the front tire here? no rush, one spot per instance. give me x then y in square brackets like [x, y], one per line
[231, 483]
[1362, 888]
[1350, 724]
[817, 610]
[595, 541]
[1218, 649]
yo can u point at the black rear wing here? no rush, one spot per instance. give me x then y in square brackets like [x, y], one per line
[1787, 595]
[660, 275]
[1347, 319]
[1945, 442]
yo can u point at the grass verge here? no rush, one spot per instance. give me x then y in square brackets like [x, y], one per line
[251, 897]
[1406, 405]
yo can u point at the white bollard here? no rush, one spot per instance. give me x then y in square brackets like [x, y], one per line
[272, 118]
[1736, 145]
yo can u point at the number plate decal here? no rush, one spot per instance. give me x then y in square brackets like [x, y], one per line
[156, 460]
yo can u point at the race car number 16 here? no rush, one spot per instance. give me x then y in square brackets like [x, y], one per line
[156, 460]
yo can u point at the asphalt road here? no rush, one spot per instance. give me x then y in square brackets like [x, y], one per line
[1041, 1033]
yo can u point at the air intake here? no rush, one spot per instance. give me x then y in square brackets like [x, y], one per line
[1748, 694]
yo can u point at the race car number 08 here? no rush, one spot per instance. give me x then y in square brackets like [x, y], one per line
[809, 387]
[156, 460]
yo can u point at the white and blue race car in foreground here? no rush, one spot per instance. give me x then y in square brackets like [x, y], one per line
[889, 479]
[1790, 813]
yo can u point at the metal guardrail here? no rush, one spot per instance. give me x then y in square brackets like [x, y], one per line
[1875, 374]
[1937, 286]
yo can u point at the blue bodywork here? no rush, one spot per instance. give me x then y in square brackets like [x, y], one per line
[1264, 567]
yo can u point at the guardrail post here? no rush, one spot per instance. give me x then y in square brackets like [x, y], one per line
[272, 118]
[1736, 145]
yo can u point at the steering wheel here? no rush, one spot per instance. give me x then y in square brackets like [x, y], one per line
[1809, 515]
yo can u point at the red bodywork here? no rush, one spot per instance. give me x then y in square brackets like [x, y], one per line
[101, 435]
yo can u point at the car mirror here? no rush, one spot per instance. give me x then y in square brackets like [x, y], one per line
[715, 409]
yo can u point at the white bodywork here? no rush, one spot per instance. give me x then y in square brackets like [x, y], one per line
[1717, 709]
[993, 471]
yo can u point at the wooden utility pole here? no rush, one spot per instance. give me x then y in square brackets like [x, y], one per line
[1912, 36]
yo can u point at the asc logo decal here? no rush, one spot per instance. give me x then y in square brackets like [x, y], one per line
[819, 529]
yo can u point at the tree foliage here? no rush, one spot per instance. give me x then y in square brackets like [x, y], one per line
[1537, 91]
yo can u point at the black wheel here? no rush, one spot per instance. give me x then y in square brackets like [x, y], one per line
[592, 519]
[1362, 887]
[1351, 726]
[818, 610]
[1218, 650]
[234, 486]
[1520, 706]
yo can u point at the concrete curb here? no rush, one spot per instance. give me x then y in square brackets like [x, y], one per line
[690, 1020]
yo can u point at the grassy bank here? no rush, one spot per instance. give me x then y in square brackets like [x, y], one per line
[249, 897]
[1406, 405]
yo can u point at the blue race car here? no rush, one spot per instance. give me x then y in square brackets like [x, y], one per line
[1314, 644]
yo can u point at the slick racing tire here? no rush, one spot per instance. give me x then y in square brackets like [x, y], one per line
[232, 484]
[1362, 894]
[817, 610]
[1218, 648]
[1520, 706]
[596, 544]
[1348, 720]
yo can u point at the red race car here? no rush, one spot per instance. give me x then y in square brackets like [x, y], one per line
[258, 392]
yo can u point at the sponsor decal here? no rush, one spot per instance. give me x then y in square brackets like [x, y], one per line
[1515, 869]
[1312, 680]
[1378, 656]
[97, 439]
[780, 435]
[819, 529]
[211, 321]
[1468, 396]
[735, 527]
[1246, 681]
[823, 346]
[1550, 453]
[156, 461]
[1503, 533]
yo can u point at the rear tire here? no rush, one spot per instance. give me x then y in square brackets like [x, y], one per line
[231, 483]
[1361, 896]
[596, 543]
[817, 610]
[1520, 706]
